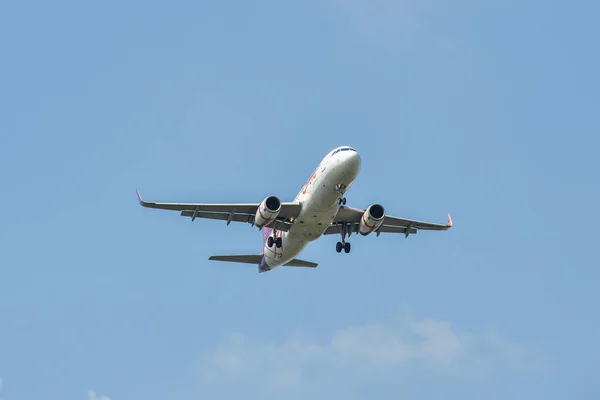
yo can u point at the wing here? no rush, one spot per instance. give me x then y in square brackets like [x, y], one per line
[350, 217]
[237, 212]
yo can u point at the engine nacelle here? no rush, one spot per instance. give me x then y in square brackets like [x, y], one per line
[267, 211]
[371, 219]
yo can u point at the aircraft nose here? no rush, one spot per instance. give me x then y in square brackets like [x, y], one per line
[353, 161]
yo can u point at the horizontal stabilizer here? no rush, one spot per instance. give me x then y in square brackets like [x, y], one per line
[242, 258]
[256, 259]
[300, 263]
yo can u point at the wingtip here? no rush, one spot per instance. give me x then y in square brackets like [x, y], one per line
[139, 196]
[449, 221]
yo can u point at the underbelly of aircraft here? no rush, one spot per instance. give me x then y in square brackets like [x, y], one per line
[319, 208]
[312, 221]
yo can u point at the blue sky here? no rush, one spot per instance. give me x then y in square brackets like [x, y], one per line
[488, 110]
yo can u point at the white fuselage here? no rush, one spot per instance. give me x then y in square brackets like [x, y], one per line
[319, 199]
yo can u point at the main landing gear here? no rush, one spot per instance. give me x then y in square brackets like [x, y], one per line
[271, 241]
[343, 244]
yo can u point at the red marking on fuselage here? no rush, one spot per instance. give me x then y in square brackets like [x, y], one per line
[309, 182]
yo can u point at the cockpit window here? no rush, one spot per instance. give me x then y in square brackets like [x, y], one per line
[343, 149]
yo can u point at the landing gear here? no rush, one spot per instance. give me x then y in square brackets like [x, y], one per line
[343, 244]
[339, 246]
[278, 242]
[341, 189]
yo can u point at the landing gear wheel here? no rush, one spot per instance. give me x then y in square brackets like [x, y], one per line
[347, 247]
[338, 247]
[340, 188]
[278, 242]
[270, 241]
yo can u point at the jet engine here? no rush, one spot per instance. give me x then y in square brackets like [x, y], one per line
[371, 219]
[267, 211]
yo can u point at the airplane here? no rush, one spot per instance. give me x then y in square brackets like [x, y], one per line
[318, 209]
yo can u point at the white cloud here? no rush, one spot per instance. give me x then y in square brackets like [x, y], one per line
[1, 384]
[94, 396]
[367, 349]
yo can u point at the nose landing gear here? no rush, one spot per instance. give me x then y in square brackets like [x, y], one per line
[341, 189]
